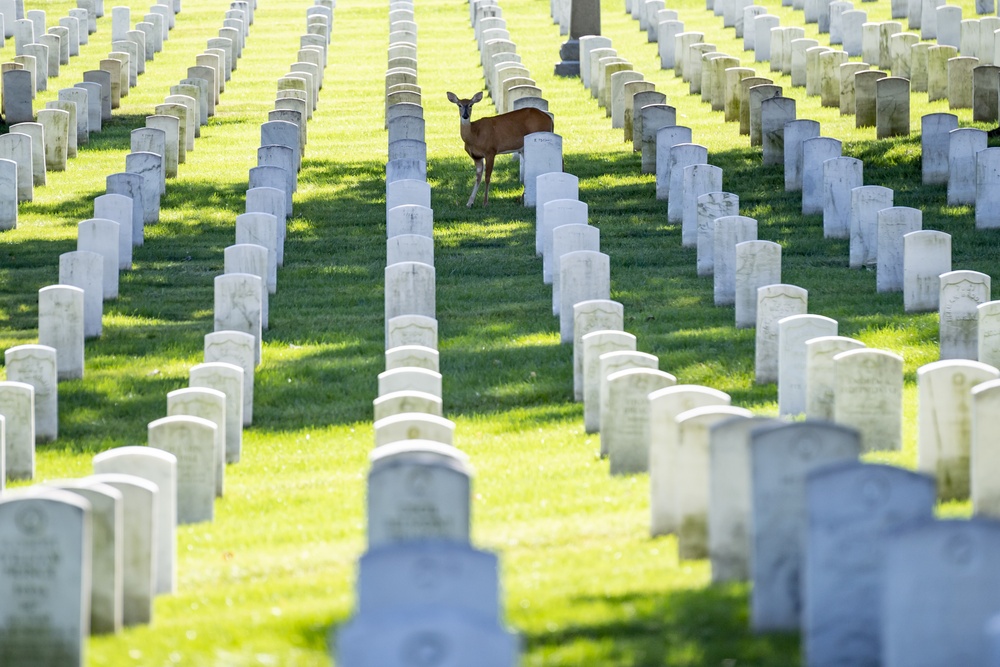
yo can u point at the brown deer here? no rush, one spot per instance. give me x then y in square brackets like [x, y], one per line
[487, 137]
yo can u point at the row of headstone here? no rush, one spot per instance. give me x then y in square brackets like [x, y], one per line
[422, 588]
[36, 147]
[109, 540]
[776, 587]
[877, 493]
[85, 556]
[511, 87]
[508, 81]
[409, 402]
[71, 310]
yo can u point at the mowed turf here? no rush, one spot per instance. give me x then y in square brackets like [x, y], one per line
[585, 585]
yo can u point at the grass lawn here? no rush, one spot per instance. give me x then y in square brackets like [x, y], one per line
[583, 582]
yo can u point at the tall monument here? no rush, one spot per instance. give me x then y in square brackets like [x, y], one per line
[584, 19]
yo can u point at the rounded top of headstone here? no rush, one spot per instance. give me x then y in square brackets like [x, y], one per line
[633, 354]
[135, 451]
[860, 467]
[192, 392]
[18, 350]
[85, 484]
[216, 365]
[630, 373]
[182, 419]
[712, 413]
[956, 365]
[868, 352]
[118, 480]
[796, 319]
[419, 451]
[403, 417]
[680, 390]
[959, 276]
[39, 492]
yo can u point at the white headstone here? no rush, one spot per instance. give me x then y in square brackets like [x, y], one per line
[961, 294]
[141, 499]
[60, 325]
[926, 255]
[625, 421]
[418, 489]
[793, 334]
[866, 202]
[17, 408]
[160, 468]
[35, 365]
[868, 396]
[238, 306]
[236, 348]
[820, 375]
[774, 303]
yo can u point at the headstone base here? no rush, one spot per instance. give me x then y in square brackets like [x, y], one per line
[570, 54]
[568, 68]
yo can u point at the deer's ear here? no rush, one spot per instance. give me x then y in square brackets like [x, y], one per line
[453, 98]
[478, 97]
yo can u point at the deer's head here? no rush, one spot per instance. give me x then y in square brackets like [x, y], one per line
[465, 106]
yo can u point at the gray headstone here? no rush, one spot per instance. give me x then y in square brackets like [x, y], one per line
[935, 142]
[925, 568]
[775, 113]
[45, 603]
[840, 176]
[729, 509]
[892, 102]
[814, 153]
[727, 232]
[853, 509]
[893, 223]
[781, 457]
[8, 194]
[987, 184]
[796, 132]
[95, 105]
[17, 97]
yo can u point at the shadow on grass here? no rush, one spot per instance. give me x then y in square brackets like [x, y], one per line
[706, 627]
[499, 340]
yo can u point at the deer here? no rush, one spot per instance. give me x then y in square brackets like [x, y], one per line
[487, 137]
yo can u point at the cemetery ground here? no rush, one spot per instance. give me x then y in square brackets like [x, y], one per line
[584, 583]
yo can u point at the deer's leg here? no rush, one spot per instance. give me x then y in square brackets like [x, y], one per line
[479, 177]
[489, 175]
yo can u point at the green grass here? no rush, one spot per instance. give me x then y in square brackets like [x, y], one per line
[583, 582]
